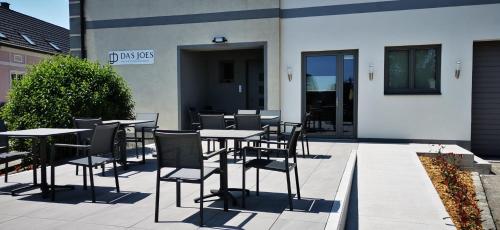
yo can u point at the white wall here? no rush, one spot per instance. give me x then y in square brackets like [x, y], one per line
[154, 86]
[441, 117]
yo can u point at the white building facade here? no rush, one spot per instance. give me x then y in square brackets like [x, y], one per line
[402, 70]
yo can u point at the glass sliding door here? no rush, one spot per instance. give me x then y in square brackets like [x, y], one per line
[321, 93]
[329, 93]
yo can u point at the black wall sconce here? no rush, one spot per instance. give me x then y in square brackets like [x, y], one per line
[219, 40]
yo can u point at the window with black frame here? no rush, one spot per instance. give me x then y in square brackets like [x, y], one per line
[413, 69]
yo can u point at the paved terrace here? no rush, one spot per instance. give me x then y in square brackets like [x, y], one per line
[133, 208]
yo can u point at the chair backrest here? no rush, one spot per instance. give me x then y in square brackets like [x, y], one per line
[4, 140]
[209, 121]
[179, 149]
[247, 111]
[292, 141]
[86, 123]
[146, 116]
[247, 122]
[305, 121]
[193, 115]
[271, 113]
[103, 140]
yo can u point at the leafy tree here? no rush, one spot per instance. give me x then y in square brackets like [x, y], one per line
[62, 87]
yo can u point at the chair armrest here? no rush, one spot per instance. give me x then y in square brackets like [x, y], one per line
[231, 127]
[266, 128]
[212, 154]
[263, 148]
[272, 142]
[153, 128]
[291, 123]
[71, 146]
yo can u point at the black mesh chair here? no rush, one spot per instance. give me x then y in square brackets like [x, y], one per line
[100, 151]
[84, 138]
[194, 118]
[275, 165]
[250, 122]
[143, 132]
[274, 124]
[7, 156]
[302, 127]
[212, 121]
[247, 111]
[181, 152]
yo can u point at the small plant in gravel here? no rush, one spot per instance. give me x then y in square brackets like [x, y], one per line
[455, 188]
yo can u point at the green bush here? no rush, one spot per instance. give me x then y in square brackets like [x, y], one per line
[62, 87]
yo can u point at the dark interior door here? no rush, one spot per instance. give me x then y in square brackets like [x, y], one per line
[485, 136]
[329, 93]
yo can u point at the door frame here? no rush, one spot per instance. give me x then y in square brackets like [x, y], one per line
[340, 105]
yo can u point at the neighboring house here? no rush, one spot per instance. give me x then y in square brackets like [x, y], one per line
[25, 40]
[403, 70]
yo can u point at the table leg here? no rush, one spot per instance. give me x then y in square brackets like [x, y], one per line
[43, 166]
[223, 175]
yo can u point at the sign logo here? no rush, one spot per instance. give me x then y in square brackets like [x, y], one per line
[131, 57]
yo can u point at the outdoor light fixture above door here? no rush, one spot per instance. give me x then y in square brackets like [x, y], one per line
[219, 40]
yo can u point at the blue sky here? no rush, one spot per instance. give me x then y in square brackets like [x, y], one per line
[53, 11]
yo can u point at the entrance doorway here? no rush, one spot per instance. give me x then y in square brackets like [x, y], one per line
[220, 79]
[329, 94]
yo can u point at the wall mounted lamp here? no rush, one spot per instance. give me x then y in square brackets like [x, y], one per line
[289, 71]
[220, 39]
[458, 69]
[371, 70]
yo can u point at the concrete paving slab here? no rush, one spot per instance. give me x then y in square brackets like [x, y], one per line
[133, 208]
[491, 184]
[392, 190]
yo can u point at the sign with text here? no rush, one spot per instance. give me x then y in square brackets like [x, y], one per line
[131, 57]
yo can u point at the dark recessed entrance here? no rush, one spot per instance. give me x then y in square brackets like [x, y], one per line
[220, 81]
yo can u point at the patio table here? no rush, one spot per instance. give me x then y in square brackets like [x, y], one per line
[262, 117]
[42, 135]
[222, 135]
[122, 135]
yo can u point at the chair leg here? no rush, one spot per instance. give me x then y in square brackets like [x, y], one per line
[257, 183]
[143, 144]
[243, 186]
[201, 202]
[78, 154]
[307, 143]
[157, 200]
[35, 176]
[116, 177]
[290, 203]
[103, 167]
[297, 182]
[91, 174]
[84, 178]
[303, 149]
[178, 193]
[136, 146]
[52, 181]
[6, 170]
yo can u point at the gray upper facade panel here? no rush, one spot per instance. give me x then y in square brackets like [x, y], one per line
[136, 13]
[120, 9]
